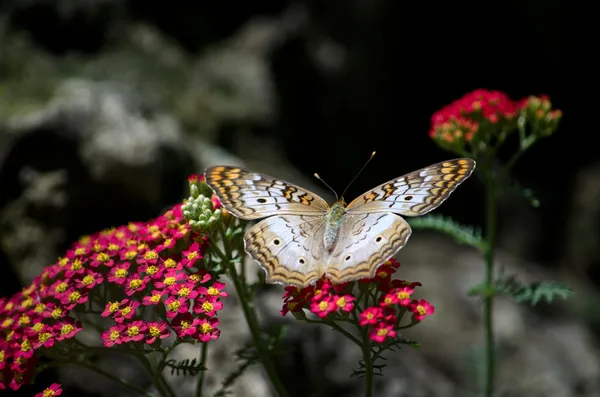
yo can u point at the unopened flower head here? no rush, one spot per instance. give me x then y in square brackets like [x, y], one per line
[202, 209]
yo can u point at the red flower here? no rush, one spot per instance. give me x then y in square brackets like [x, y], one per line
[323, 306]
[381, 332]
[135, 331]
[344, 303]
[156, 331]
[420, 309]
[114, 335]
[53, 390]
[207, 329]
[370, 316]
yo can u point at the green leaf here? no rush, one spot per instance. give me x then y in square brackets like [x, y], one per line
[185, 367]
[533, 292]
[230, 379]
[463, 234]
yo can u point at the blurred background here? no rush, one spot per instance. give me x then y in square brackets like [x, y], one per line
[106, 106]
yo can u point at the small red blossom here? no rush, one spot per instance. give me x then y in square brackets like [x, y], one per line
[156, 331]
[113, 336]
[323, 307]
[176, 306]
[185, 324]
[134, 331]
[207, 329]
[420, 309]
[344, 303]
[370, 316]
[215, 290]
[154, 298]
[381, 332]
[126, 310]
[54, 389]
[191, 255]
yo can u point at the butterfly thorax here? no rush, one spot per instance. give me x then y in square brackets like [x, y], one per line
[333, 221]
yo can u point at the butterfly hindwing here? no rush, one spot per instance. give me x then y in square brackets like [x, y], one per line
[365, 242]
[288, 247]
[415, 193]
[249, 195]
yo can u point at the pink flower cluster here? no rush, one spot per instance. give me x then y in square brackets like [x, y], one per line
[393, 298]
[461, 119]
[483, 113]
[151, 267]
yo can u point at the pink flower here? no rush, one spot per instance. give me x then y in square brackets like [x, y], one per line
[381, 332]
[344, 303]
[207, 306]
[207, 329]
[135, 331]
[54, 390]
[323, 307]
[420, 309]
[370, 315]
[156, 331]
[114, 335]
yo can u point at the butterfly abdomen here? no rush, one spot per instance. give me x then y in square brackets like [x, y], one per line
[333, 222]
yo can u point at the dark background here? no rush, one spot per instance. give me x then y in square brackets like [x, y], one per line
[401, 62]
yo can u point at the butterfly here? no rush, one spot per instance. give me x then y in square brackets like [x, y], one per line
[303, 238]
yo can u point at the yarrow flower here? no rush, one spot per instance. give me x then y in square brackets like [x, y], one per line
[482, 118]
[388, 300]
[54, 390]
[154, 267]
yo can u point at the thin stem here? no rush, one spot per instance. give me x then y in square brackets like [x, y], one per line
[339, 329]
[126, 384]
[490, 360]
[203, 357]
[252, 321]
[366, 349]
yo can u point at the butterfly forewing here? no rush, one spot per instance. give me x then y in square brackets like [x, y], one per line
[415, 193]
[250, 195]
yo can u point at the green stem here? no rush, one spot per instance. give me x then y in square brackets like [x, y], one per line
[203, 357]
[366, 349]
[126, 384]
[254, 326]
[252, 321]
[490, 360]
[339, 329]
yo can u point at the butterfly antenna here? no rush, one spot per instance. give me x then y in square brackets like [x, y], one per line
[358, 173]
[326, 184]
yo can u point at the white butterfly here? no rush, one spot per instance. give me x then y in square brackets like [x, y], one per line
[303, 238]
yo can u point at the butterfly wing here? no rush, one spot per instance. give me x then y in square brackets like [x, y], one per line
[416, 193]
[249, 195]
[365, 242]
[289, 248]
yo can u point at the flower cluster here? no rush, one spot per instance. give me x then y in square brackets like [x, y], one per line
[378, 303]
[482, 118]
[146, 278]
[464, 118]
